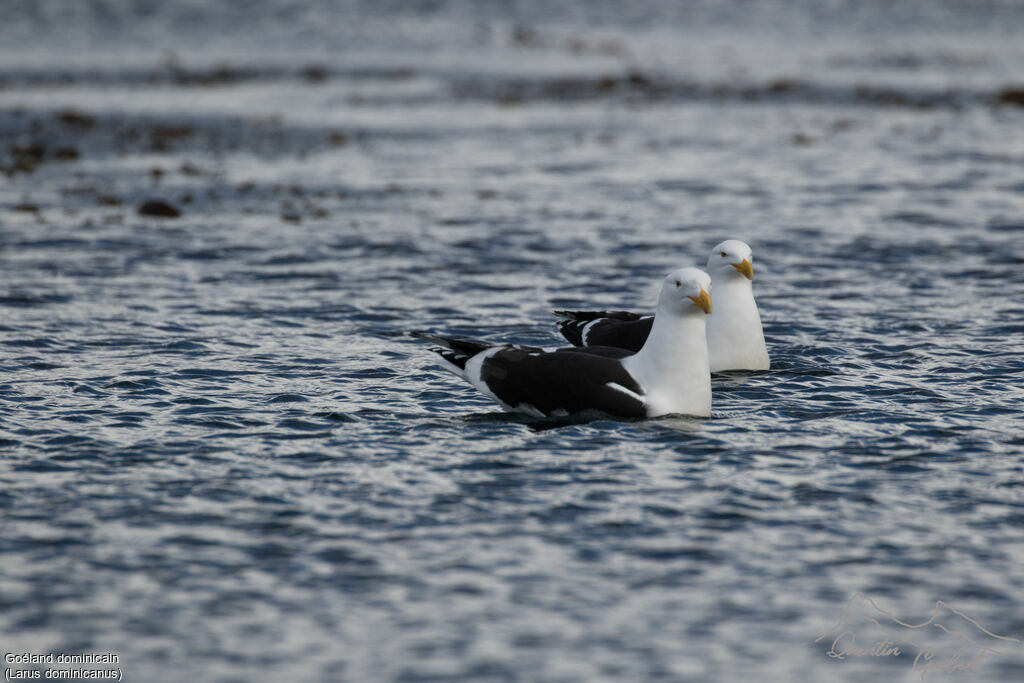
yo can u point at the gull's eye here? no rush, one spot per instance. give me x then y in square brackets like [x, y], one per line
[678, 283]
[724, 254]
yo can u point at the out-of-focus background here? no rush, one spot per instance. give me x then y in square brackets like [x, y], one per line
[222, 459]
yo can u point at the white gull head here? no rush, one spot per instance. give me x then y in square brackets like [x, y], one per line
[731, 258]
[685, 292]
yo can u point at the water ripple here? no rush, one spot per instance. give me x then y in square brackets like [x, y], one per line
[222, 457]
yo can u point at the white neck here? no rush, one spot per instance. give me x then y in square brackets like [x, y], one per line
[735, 337]
[672, 366]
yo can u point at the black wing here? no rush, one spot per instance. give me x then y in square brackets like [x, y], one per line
[587, 316]
[606, 351]
[620, 329]
[569, 380]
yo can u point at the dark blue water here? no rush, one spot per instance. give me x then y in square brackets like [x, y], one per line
[222, 459]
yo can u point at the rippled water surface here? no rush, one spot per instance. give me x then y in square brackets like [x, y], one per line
[222, 458]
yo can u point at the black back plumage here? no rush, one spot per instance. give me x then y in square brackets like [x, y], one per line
[620, 329]
[571, 380]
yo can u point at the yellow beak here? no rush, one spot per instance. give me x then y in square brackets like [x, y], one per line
[703, 301]
[747, 268]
